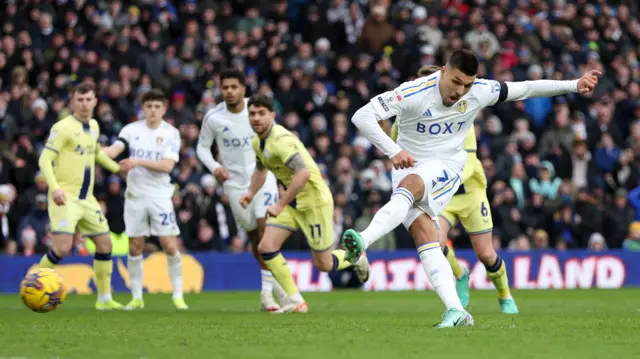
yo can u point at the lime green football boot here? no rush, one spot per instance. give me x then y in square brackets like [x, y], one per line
[180, 304]
[353, 244]
[109, 305]
[134, 304]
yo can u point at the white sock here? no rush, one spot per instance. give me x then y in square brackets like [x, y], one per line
[136, 271]
[175, 274]
[389, 216]
[440, 275]
[103, 298]
[267, 281]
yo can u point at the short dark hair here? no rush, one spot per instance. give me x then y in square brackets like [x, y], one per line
[259, 100]
[232, 73]
[465, 61]
[428, 70]
[154, 95]
[84, 88]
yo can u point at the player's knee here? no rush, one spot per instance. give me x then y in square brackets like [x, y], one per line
[61, 250]
[170, 247]
[487, 256]
[423, 231]
[266, 246]
[485, 251]
[136, 246]
[103, 243]
[323, 263]
[62, 245]
[414, 184]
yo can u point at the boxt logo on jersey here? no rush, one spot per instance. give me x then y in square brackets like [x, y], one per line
[145, 154]
[236, 142]
[442, 128]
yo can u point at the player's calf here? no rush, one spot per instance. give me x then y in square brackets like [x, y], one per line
[135, 265]
[268, 282]
[269, 249]
[174, 261]
[424, 233]
[496, 270]
[103, 267]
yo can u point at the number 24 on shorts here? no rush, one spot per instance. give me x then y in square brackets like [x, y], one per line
[271, 199]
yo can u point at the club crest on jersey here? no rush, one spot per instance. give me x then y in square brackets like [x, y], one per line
[266, 154]
[462, 106]
[159, 140]
[94, 133]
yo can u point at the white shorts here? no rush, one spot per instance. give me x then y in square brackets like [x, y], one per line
[144, 217]
[441, 178]
[247, 218]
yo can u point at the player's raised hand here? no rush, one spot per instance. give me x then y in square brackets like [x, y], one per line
[246, 199]
[275, 210]
[402, 160]
[588, 81]
[59, 197]
[221, 174]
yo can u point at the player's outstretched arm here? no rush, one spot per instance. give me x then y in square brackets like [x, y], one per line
[164, 165]
[517, 91]
[105, 161]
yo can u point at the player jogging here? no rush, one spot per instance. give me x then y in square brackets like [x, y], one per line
[305, 205]
[228, 126]
[153, 147]
[470, 206]
[68, 165]
[434, 115]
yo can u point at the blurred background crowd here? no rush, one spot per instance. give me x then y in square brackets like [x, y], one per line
[563, 172]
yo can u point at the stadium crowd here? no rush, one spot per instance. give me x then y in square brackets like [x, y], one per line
[563, 172]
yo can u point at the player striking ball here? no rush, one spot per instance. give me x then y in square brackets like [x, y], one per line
[68, 165]
[470, 206]
[154, 149]
[228, 126]
[306, 204]
[434, 116]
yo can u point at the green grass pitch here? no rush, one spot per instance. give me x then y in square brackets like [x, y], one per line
[580, 324]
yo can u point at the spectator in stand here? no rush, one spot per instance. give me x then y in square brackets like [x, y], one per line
[632, 243]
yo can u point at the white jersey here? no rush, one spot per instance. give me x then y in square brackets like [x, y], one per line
[232, 133]
[150, 144]
[427, 128]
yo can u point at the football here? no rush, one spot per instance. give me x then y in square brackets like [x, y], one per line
[42, 290]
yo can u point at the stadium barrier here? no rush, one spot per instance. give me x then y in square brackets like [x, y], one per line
[389, 271]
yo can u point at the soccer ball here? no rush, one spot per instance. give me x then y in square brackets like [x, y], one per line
[42, 290]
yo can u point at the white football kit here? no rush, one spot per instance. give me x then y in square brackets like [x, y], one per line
[433, 134]
[148, 208]
[232, 133]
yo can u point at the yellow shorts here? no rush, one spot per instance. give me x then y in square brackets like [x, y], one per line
[316, 224]
[82, 215]
[472, 210]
